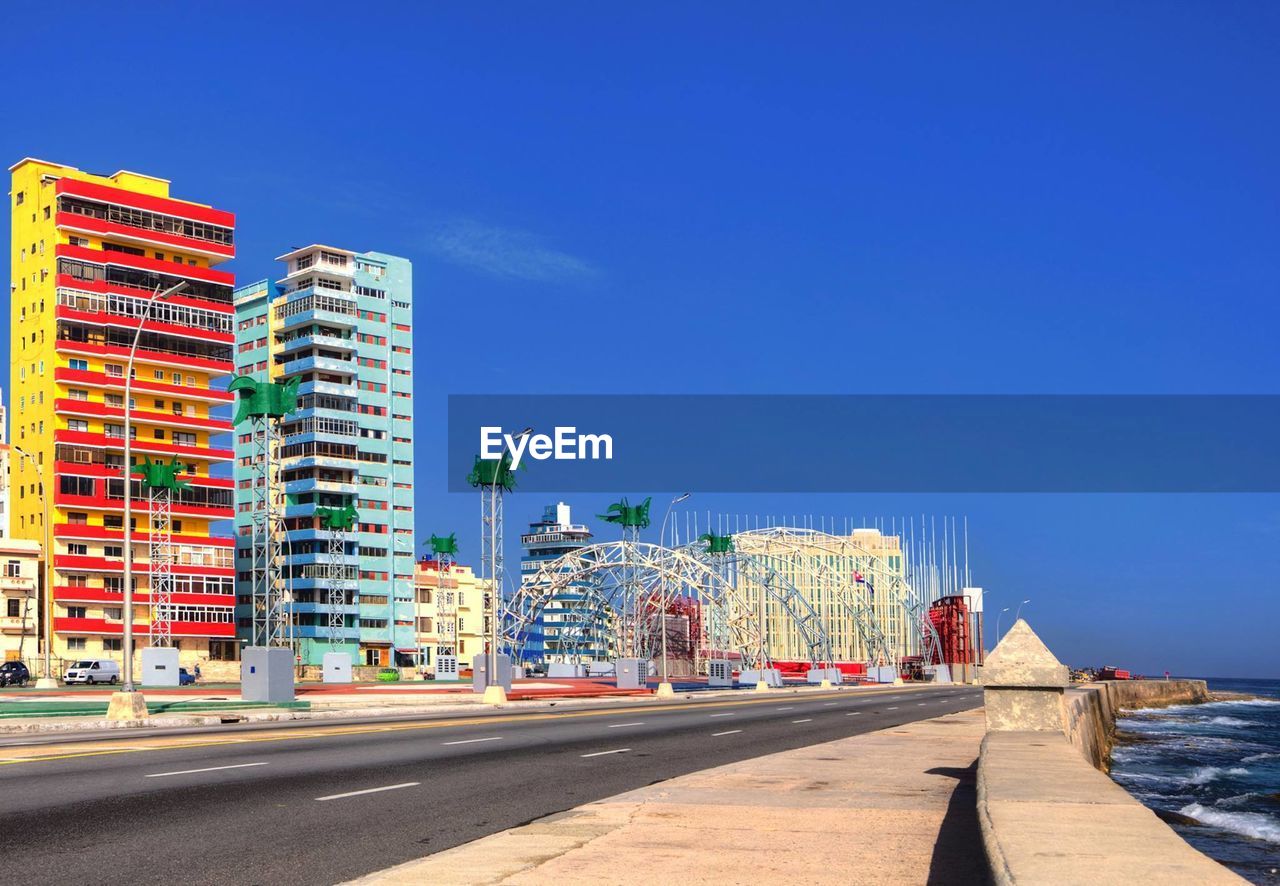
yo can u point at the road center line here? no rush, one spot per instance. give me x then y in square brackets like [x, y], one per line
[810, 720]
[473, 740]
[603, 753]
[390, 787]
[894, 708]
[620, 725]
[730, 732]
[922, 704]
[783, 709]
[720, 715]
[853, 713]
[830, 704]
[209, 769]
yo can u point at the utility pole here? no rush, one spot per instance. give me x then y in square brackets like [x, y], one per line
[128, 704]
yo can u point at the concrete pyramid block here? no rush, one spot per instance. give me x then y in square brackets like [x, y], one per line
[1022, 659]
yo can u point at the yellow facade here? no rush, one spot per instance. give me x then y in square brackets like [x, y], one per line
[172, 402]
[463, 598]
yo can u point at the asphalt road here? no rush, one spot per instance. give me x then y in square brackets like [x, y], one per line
[324, 804]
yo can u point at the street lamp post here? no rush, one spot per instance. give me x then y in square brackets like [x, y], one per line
[1018, 613]
[48, 681]
[128, 704]
[493, 692]
[998, 617]
[665, 689]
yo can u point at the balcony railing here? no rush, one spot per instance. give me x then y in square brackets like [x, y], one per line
[146, 281]
[135, 307]
[147, 221]
[148, 342]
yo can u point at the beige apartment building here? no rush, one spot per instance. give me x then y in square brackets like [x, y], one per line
[451, 611]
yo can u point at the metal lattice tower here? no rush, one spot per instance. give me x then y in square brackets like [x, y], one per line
[270, 609]
[491, 542]
[160, 481]
[492, 477]
[337, 581]
[161, 564]
[264, 404]
[338, 522]
[443, 548]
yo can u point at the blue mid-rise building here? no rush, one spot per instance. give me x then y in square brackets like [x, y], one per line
[341, 322]
[572, 627]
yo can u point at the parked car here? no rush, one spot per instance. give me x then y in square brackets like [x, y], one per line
[93, 670]
[14, 673]
[185, 677]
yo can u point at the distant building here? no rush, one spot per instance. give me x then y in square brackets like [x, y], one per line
[561, 632]
[869, 558]
[341, 322]
[451, 610]
[19, 599]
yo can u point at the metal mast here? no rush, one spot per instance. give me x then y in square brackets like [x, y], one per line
[632, 519]
[338, 522]
[444, 548]
[161, 482]
[264, 404]
[493, 477]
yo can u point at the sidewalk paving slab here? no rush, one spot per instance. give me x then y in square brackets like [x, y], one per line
[889, 807]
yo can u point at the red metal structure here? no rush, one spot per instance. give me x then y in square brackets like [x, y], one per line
[950, 619]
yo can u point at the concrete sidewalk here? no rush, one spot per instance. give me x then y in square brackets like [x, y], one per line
[895, 806]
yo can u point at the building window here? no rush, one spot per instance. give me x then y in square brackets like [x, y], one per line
[77, 643]
[14, 610]
[75, 612]
[78, 549]
[111, 644]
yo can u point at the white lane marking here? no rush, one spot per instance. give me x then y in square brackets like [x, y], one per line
[209, 769]
[894, 708]
[922, 704]
[830, 704]
[782, 709]
[473, 740]
[853, 713]
[730, 732]
[603, 753]
[390, 787]
[721, 715]
[810, 720]
[620, 725]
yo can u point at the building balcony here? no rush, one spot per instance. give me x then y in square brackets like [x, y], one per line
[157, 352]
[315, 340]
[298, 487]
[97, 409]
[159, 220]
[298, 365]
[112, 628]
[142, 447]
[98, 380]
[101, 311]
[16, 624]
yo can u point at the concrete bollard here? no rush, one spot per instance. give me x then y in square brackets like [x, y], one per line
[1023, 684]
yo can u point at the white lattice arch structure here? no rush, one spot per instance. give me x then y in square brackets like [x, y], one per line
[634, 577]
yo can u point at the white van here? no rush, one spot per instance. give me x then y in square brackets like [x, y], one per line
[93, 670]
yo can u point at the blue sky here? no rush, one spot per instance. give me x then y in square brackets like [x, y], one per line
[752, 198]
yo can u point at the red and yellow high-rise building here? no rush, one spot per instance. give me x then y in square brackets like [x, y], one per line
[88, 253]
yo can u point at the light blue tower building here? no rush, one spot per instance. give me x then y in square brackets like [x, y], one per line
[340, 322]
[568, 630]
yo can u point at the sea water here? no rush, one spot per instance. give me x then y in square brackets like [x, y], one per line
[1216, 764]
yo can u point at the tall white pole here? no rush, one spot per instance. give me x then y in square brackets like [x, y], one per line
[127, 644]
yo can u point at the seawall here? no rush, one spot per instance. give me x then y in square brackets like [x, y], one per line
[1047, 810]
[1090, 710]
